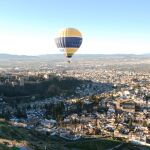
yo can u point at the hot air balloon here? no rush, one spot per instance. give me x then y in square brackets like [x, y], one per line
[68, 41]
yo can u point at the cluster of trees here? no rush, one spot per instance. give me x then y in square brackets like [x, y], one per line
[55, 111]
[51, 87]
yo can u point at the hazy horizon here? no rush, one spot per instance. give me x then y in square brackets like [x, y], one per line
[76, 54]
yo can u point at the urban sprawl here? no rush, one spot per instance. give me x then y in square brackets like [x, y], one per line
[110, 100]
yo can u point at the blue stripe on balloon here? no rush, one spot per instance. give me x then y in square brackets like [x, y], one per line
[68, 42]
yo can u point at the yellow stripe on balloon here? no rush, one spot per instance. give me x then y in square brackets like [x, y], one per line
[68, 54]
[70, 50]
[69, 32]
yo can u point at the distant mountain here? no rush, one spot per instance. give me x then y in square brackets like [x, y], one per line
[77, 56]
[9, 56]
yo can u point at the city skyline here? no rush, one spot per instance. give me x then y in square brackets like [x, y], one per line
[29, 27]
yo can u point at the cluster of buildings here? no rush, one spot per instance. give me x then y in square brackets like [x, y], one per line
[24, 77]
[111, 104]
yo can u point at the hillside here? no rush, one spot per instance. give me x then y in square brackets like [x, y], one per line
[32, 140]
[11, 135]
[77, 56]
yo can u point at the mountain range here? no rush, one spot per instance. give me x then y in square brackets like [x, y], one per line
[61, 56]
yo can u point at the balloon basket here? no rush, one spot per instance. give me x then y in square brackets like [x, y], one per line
[69, 61]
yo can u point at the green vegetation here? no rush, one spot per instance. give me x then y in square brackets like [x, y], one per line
[4, 147]
[129, 146]
[14, 148]
[12, 133]
[35, 140]
[103, 144]
[99, 144]
[52, 87]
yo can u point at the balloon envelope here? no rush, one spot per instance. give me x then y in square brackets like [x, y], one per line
[69, 39]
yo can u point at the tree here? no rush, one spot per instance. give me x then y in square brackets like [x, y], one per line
[20, 113]
[130, 123]
[145, 123]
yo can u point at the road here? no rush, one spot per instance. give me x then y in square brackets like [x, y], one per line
[116, 147]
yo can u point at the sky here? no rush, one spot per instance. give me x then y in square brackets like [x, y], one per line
[28, 27]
